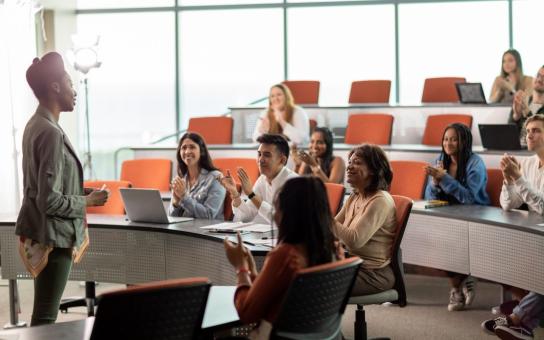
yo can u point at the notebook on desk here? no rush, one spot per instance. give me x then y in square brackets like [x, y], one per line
[145, 205]
[470, 93]
[500, 137]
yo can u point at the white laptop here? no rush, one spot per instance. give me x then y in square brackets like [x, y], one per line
[145, 205]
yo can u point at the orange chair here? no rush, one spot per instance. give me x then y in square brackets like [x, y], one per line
[441, 90]
[335, 193]
[494, 186]
[214, 130]
[375, 128]
[436, 124]
[409, 179]
[152, 173]
[370, 91]
[304, 91]
[114, 205]
[249, 164]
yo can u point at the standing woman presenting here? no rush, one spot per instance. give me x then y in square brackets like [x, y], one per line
[51, 223]
[283, 117]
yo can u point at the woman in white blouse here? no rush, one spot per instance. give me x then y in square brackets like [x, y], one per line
[283, 117]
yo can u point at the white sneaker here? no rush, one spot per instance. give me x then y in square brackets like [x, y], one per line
[469, 289]
[457, 300]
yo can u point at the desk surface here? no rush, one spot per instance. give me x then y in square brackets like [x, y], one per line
[515, 219]
[190, 228]
[219, 311]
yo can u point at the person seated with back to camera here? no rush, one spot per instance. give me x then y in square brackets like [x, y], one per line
[283, 117]
[459, 177]
[367, 222]
[320, 161]
[304, 240]
[523, 185]
[527, 104]
[272, 156]
[196, 191]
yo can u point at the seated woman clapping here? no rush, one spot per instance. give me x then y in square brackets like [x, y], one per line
[320, 160]
[196, 191]
[305, 239]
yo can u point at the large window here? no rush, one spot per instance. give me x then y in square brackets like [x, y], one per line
[464, 39]
[337, 45]
[528, 34]
[132, 95]
[228, 58]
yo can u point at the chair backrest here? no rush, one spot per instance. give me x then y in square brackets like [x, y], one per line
[214, 130]
[370, 91]
[335, 194]
[403, 206]
[494, 186]
[441, 90]
[375, 128]
[171, 309]
[304, 91]
[409, 179]
[316, 300]
[114, 205]
[150, 173]
[436, 124]
[232, 164]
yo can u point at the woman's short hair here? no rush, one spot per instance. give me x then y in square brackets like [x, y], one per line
[205, 161]
[44, 71]
[378, 165]
[306, 217]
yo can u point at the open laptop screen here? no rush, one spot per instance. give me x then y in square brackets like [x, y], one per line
[471, 93]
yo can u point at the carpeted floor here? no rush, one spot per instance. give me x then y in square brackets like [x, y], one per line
[425, 317]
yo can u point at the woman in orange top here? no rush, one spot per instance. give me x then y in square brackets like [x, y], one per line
[305, 239]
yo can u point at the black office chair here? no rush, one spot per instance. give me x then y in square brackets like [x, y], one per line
[397, 294]
[171, 309]
[316, 300]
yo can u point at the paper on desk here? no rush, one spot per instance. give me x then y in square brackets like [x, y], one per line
[271, 242]
[257, 228]
[226, 225]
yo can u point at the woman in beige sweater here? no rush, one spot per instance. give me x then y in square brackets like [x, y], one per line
[367, 223]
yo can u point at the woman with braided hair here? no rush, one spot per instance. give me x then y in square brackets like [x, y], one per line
[459, 177]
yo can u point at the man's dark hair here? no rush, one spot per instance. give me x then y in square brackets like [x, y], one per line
[278, 140]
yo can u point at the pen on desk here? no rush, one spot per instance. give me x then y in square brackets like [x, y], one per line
[249, 243]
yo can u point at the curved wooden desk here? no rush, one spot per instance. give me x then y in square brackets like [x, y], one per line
[487, 242]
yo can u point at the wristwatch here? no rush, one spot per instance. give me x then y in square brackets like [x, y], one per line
[250, 196]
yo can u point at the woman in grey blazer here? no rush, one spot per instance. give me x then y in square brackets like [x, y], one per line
[51, 223]
[196, 191]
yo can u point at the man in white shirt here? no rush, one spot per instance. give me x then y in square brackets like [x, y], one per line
[523, 184]
[524, 179]
[527, 104]
[272, 157]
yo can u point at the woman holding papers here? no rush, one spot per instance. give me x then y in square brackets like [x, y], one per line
[51, 223]
[320, 161]
[283, 117]
[367, 222]
[511, 79]
[459, 177]
[304, 240]
[196, 191]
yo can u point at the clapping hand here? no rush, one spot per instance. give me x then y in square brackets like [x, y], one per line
[511, 169]
[96, 198]
[247, 186]
[308, 159]
[436, 172]
[265, 125]
[178, 190]
[228, 183]
[521, 105]
[295, 156]
[237, 254]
